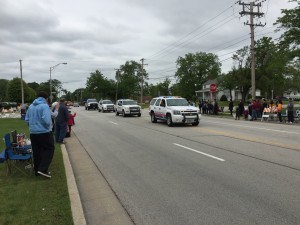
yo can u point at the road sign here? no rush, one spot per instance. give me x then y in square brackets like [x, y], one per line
[213, 88]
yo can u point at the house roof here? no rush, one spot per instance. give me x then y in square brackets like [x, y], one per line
[214, 81]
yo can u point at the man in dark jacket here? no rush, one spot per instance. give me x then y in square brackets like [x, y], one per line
[61, 122]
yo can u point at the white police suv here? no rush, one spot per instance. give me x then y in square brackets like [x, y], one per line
[173, 109]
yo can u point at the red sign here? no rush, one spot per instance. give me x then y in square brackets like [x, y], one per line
[213, 88]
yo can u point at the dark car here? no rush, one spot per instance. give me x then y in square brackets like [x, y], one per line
[91, 104]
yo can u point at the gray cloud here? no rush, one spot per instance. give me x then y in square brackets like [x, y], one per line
[103, 35]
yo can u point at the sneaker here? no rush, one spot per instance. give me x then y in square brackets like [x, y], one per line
[45, 174]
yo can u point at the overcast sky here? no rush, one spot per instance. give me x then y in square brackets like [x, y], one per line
[104, 34]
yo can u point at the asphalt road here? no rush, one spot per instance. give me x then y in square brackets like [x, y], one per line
[221, 172]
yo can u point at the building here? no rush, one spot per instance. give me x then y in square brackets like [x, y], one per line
[205, 92]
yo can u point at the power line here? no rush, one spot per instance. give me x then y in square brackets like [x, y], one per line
[187, 35]
[196, 37]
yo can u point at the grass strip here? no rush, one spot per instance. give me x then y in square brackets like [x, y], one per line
[33, 199]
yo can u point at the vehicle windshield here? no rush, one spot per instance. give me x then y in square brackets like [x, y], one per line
[91, 100]
[107, 102]
[177, 102]
[129, 102]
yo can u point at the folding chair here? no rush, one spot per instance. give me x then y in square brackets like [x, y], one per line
[14, 145]
[17, 162]
[2, 156]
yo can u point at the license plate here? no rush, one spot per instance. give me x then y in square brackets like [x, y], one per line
[190, 120]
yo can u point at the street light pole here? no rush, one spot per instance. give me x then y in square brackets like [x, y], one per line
[52, 68]
[22, 86]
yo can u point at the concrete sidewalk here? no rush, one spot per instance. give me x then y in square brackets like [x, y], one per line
[99, 203]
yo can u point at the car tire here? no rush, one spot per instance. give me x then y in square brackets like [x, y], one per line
[139, 115]
[169, 120]
[117, 113]
[153, 118]
[102, 110]
[99, 110]
[124, 115]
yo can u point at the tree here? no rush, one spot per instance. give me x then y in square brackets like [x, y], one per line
[31, 95]
[129, 79]
[56, 86]
[195, 69]
[162, 88]
[241, 71]
[290, 43]
[77, 95]
[3, 90]
[14, 93]
[227, 81]
[99, 86]
[290, 22]
[34, 85]
[270, 67]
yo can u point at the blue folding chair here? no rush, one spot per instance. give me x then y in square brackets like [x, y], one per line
[2, 156]
[15, 161]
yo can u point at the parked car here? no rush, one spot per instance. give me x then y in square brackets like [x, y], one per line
[76, 104]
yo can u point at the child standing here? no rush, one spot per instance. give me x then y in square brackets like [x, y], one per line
[70, 123]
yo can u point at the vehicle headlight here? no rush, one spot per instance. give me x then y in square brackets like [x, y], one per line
[176, 112]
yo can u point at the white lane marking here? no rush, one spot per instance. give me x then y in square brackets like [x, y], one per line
[113, 122]
[214, 157]
[260, 128]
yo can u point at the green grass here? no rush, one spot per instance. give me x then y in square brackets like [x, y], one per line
[30, 199]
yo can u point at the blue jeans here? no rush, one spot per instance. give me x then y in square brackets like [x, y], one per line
[60, 131]
[254, 114]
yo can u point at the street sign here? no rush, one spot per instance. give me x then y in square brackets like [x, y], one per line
[213, 88]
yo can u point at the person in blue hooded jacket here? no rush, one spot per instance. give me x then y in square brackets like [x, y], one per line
[38, 118]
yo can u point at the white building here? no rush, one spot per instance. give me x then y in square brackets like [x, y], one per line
[206, 94]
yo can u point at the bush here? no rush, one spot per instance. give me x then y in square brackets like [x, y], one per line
[223, 98]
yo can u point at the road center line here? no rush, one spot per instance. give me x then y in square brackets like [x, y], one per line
[113, 122]
[193, 150]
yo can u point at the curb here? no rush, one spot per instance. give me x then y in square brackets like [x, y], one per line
[76, 206]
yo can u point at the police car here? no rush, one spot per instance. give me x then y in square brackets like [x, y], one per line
[173, 110]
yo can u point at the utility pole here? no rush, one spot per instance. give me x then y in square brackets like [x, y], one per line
[142, 82]
[117, 73]
[250, 6]
[22, 87]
